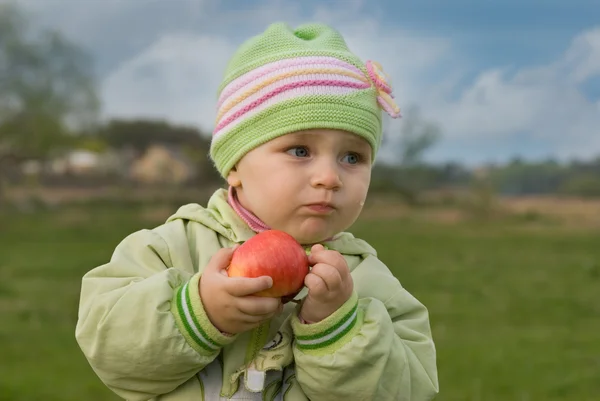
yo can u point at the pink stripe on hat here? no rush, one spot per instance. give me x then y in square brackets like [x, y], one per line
[241, 100]
[302, 91]
[284, 88]
[251, 76]
[317, 71]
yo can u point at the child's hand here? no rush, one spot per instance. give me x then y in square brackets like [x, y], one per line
[228, 301]
[329, 284]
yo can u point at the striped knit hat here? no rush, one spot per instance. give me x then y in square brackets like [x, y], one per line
[288, 80]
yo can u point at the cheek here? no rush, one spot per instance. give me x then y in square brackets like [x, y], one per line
[361, 186]
[269, 189]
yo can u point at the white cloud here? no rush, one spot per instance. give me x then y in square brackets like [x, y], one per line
[583, 57]
[546, 102]
[176, 78]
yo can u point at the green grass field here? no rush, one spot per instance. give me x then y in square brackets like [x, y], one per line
[514, 307]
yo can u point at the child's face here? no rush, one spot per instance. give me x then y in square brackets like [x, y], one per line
[310, 184]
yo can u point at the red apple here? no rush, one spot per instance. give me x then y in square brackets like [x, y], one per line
[272, 253]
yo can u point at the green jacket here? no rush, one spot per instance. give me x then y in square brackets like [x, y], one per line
[144, 331]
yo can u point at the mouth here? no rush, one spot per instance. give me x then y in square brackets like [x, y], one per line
[321, 207]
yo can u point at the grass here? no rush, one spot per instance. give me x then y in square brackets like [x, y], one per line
[514, 305]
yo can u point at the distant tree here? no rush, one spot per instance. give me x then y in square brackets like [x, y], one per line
[585, 185]
[519, 177]
[47, 90]
[407, 174]
[140, 134]
[417, 135]
[453, 174]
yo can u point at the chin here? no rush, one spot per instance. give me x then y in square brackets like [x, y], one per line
[309, 238]
[310, 241]
[312, 231]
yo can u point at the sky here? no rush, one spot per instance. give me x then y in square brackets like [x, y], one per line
[501, 79]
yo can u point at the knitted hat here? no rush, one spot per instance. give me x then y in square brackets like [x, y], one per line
[288, 80]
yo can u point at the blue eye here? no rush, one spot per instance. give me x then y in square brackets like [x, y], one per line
[298, 151]
[351, 158]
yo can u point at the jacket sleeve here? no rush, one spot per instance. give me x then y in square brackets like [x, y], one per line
[141, 324]
[377, 346]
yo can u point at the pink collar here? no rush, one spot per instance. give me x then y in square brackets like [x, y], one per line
[256, 224]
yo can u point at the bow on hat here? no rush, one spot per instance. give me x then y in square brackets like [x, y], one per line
[384, 89]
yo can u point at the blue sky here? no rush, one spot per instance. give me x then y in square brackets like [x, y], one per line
[501, 79]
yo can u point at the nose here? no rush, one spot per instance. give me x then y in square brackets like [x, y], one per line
[326, 175]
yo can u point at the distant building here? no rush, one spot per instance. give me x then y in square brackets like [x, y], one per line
[81, 162]
[85, 162]
[161, 164]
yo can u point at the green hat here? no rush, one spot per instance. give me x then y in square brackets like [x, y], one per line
[287, 80]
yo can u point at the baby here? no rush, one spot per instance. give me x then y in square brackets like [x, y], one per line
[297, 131]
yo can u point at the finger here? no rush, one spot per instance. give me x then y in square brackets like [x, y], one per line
[243, 286]
[258, 306]
[317, 248]
[219, 261]
[332, 258]
[329, 274]
[315, 284]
